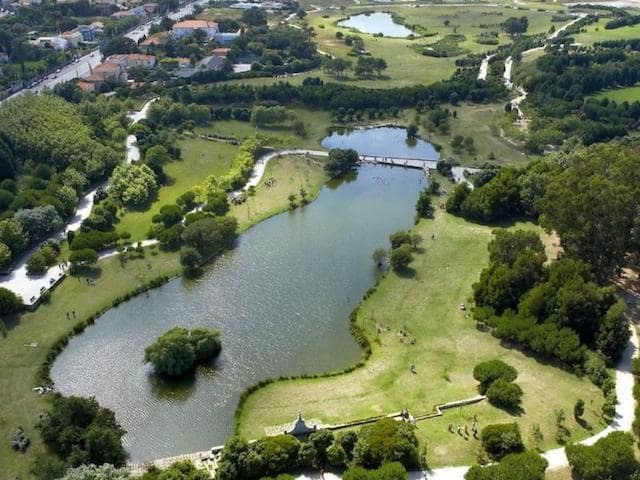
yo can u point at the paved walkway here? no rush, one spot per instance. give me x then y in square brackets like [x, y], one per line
[32, 287]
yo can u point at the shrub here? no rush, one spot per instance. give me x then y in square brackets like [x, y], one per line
[504, 394]
[386, 441]
[515, 466]
[178, 350]
[501, 439]
[488, 372]
[336, 456]
[9, 302]
[400, 257]
[37, 264]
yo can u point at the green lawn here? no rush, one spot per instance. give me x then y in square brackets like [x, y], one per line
[596, 32]
[482, 123]
[199, 159]
[316, 124]
[21, 406]
[628, 94]
[290, 173]
[426, 305]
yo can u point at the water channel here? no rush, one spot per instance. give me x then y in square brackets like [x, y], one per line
[281, 300]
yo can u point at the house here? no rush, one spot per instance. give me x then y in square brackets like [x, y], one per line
[110, 72]
[57, 43]
[187, 27]
[150, 8]
[226, 37]
[88, 32]
[73, 38]
[220, 52]
[141, 60]
[151, 43]
[207, 64]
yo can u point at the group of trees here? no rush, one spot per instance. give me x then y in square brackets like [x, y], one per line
[179, 351]
[556, 310]
[496, 381]
[403, 244]
[78, 431]
[372, 448]
[341, 162]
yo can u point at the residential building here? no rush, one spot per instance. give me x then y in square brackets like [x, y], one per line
[150, 44]
[187, 27]
[57, 43]
[141, 60]
[73, 38]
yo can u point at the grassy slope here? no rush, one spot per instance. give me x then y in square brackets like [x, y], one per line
[290, 173]
[21, 406]
[316, 124]
[200, 158]
[448, 346]
[628, 94]
[597, 33]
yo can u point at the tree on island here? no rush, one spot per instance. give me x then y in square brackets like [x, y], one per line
[179, 350]
[341, 162]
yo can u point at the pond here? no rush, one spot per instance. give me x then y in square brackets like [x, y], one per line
[281, 300]
[377, 22]
[381, 142]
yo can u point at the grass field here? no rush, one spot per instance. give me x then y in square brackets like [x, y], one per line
[597, 33]
[199, 159]
[482, 123]
[406, 66]
[316, 124]
[425, 304]
[290, 174]
[628, 94]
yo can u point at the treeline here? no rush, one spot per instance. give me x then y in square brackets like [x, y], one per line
[372, 447]
[314, 93]
[590, 197]
[50, 152]
[559, 86]
[557, 311]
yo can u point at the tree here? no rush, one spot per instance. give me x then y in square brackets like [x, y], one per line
[457, 198]
[133, 184]
[217, 203]
[80, 431]
[610, 457]
[424, 208]
[507, 245]
[178, 350]
[182, 470]
[488, 372]
[515, 466]
[190, 260]
[504, 394]
[412, 130]
[93, 472]
[254, 17]
[399, 238]
[210, 236]
[341, 162]
[169, 215]
[501, 439]
[84, 256]
[5, 256]
[13, 235]
[379, 256]
[337, 66]
[9, 302]
[578, 408]
[37, 264]
[386, 440]
[336, 457]
[37, 222]
[516, 26]
[400, 257]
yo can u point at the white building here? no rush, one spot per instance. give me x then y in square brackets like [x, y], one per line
[187, 27]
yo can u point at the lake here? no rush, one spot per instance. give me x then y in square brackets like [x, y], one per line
[377, 22]
[281, 300]
[381, 142]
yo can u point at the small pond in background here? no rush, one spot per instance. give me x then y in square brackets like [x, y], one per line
[378, 22]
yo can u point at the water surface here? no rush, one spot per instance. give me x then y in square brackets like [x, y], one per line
[281, 300]
[378, 22]
[381, 142]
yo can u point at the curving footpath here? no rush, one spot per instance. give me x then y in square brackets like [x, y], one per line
[557, 458]
[32, 287]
